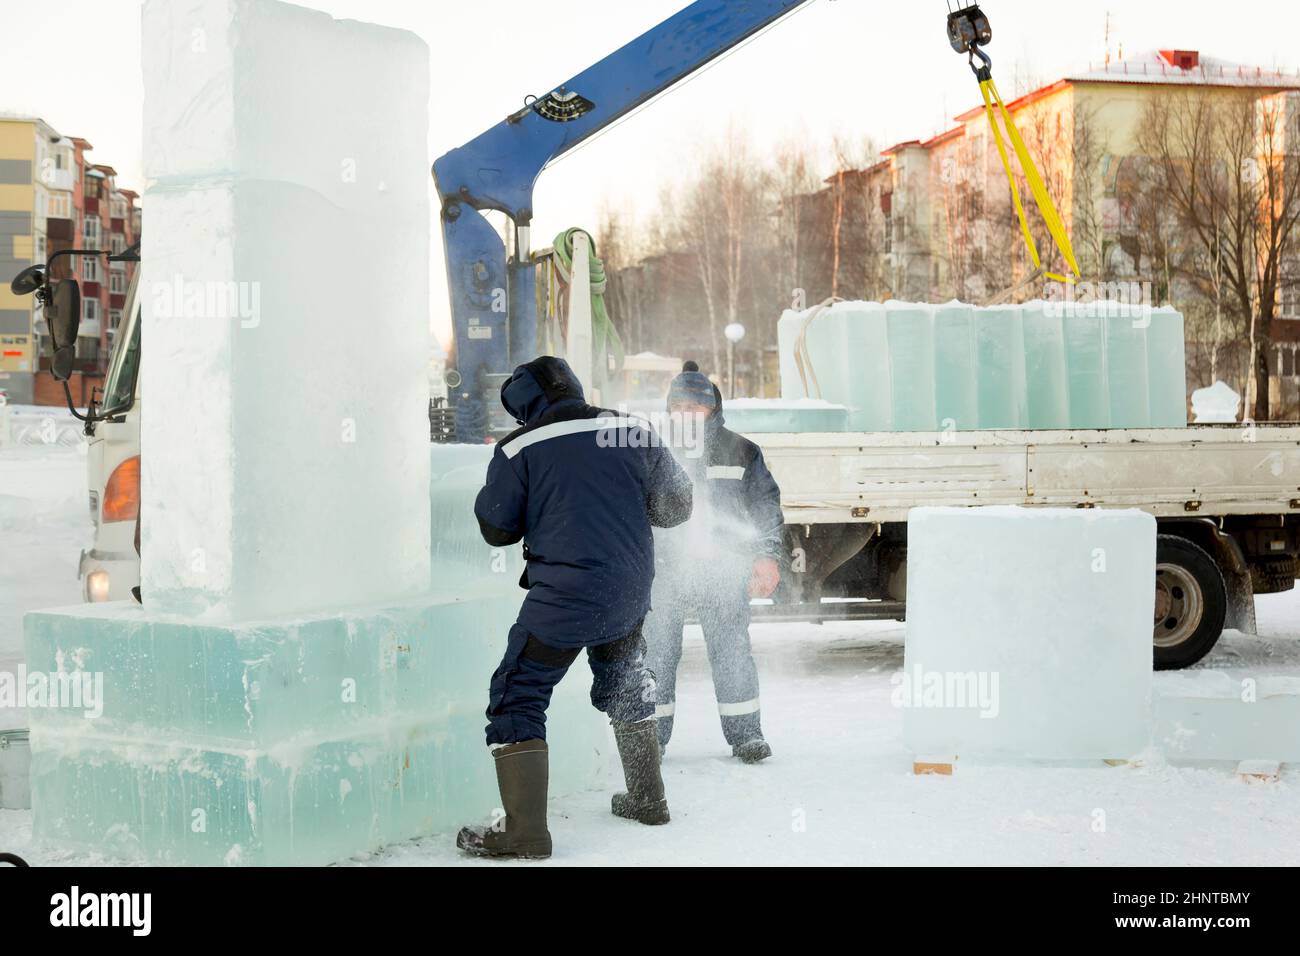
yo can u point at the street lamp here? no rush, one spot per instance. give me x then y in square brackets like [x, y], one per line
[734, 333]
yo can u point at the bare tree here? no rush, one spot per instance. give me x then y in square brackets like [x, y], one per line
[1219, 165]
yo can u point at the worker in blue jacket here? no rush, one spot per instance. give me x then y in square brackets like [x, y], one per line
[727, 553]
[581, 487]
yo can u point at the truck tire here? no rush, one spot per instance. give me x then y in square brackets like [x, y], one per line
[1191, 603]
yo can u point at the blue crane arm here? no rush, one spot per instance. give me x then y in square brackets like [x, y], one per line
[494, 313]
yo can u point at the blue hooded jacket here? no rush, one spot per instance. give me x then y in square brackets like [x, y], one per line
[581, 487]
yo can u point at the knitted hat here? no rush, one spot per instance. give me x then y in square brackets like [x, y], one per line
[692, 386]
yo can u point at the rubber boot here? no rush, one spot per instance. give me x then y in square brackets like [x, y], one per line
[522, 774]
[638, 748]
[752, 751]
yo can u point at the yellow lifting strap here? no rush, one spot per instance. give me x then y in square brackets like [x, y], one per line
[1045, 205]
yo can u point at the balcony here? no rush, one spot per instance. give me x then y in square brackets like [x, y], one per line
[58, 179]
[89, 329]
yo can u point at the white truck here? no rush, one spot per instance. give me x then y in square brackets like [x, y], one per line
[1227, 499]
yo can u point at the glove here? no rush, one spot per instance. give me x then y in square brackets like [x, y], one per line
[765, 577]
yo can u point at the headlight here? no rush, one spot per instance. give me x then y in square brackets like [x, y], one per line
[97, 586]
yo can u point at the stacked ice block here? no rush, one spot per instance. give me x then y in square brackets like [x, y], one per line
[293, 691]
[1028, 633]
[908, 367]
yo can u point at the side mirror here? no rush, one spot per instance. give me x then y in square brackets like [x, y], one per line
[28, 281]
[63, 316]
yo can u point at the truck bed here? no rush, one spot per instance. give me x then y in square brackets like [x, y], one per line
[877, 477]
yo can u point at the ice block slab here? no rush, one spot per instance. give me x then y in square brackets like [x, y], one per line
[1028, 633]
[1088, 391]
[911, 365]
[1045, 369]
[284, 465]
[1167, 369]
[956, 402]
[289, 743]
[1000, 367]
[1211, 715]
[767, 416]
[1126, 371]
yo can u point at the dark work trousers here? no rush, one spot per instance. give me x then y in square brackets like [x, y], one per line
[718, 595]
[621, 686]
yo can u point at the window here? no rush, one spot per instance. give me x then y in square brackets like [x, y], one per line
[117, 242]
[87, 348]
[114, 320]
[92, 187]
[90, 231]
[90, 268]
[116, 281]
[60, 206]
[90, 310]
[1290, 297]
[118, 207]
[1286, 362]
[40, 247]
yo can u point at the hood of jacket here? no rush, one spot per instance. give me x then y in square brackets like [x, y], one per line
[538, 385]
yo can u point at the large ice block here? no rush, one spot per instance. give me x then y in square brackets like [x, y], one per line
[911, 365]
[869, 396]
[284, 463]
[1028, 633]
[765, 416]
[1167, 369]
[1045, 377]
[1085, 350]
[301, 739]
[956, 356]
[1000, 367]
[1213, 715]
[284, 742]
[1126, 371]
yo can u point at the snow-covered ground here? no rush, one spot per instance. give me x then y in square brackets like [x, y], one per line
[839, 789]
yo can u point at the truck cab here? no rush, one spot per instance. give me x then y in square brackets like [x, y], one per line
[111, 567]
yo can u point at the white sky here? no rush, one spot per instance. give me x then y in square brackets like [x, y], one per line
[856, 68]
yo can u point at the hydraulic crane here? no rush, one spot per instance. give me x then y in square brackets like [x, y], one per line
[493, 288]
[493, 305]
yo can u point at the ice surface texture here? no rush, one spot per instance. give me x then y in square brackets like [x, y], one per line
[284, 438]
[1028, 633]
[906, 367]
[285, 743]
[294, 740]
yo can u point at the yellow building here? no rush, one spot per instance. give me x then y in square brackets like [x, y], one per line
[949, 221]
[36, 182]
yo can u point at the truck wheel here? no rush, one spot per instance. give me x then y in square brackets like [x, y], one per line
[1191, 603]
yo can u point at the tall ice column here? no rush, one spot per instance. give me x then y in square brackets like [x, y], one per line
[285, 459]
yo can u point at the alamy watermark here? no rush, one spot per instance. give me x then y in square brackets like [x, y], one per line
[1133, 301]
[955, 690]
[183, 298]
[62, 690]
[628, 429]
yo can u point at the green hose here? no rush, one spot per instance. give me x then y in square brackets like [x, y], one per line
[605, 341]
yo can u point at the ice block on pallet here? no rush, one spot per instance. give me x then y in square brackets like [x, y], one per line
[1028, 633]
[1000, 367]
[911, 365]
[1046, 397]
[1167, 369]
[956, 356]
[1085, 350]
